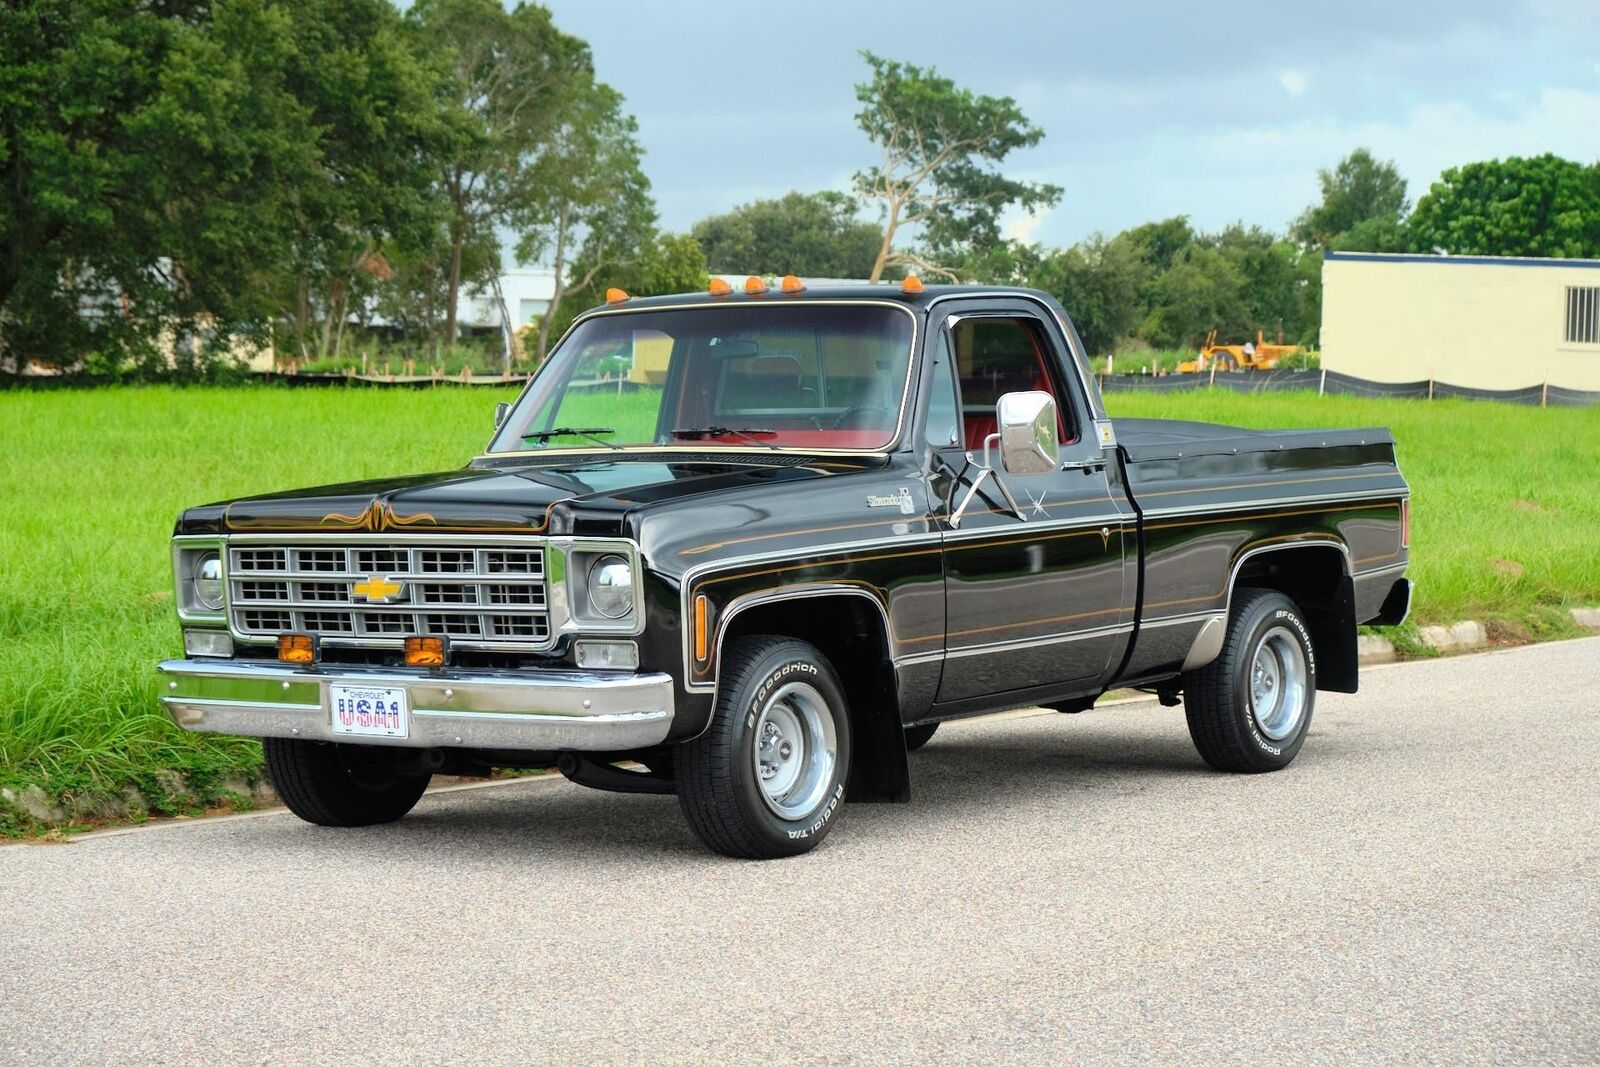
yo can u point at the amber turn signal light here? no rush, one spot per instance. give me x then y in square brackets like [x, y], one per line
[719, 287]
[791, 284]
[754, 285]
[424, 652]
[700, 635]
[912, 284]
[616, 296]
[296, 648]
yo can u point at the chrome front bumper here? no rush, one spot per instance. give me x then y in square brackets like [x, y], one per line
[529, 710]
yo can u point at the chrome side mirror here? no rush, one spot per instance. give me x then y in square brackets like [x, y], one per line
[501, 410]
[1028, 443]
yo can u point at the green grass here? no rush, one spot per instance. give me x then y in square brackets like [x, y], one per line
[1506, 528]
[90, 482]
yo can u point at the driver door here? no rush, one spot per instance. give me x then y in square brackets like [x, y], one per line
[1034, 595]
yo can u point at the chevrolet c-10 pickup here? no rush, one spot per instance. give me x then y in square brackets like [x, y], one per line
[752, 546]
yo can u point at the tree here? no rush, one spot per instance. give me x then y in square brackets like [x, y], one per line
[1098, 281]
[510, 79]
[77, 244]
[941, 146]
[1359, 194]
[665, 263]
[173, 170]
[591, 202]
[1541, 206]
[817, 235]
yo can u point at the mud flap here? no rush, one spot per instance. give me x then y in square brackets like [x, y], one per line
[1333, 639]
[880, 769]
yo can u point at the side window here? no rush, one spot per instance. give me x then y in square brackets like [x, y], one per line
[995, 356]
[944, 418]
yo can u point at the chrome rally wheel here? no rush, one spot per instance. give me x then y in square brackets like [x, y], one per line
[795, 748]
[1278, 683]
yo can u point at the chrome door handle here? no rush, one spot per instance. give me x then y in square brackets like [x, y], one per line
[1087, 466]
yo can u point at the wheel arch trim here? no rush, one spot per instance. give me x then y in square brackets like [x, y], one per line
[762, 597]
[1207, 644]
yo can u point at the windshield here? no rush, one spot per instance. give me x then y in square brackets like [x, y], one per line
[802, 375]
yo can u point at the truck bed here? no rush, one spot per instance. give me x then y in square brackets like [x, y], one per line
[1181, 462]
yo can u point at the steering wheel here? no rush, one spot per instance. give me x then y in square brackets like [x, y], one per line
[838, 423]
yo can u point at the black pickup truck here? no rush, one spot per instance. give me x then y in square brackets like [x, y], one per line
[751, 548]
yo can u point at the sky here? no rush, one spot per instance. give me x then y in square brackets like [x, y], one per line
[1220, 111]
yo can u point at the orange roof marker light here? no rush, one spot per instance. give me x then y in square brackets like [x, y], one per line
[719, 287]
[616, 296]
[754, 286]
[912, 284]
[792, 285]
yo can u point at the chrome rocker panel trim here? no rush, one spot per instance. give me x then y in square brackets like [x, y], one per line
[538, 711]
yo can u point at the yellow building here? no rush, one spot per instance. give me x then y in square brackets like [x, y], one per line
[1483, 322]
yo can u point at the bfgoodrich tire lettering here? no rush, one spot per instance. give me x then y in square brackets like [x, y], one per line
[767, 776]
[1249, 709]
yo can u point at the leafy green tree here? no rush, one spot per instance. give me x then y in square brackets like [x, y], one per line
[817, 235]
[1098, 281]
[941, 149]
[510, 79]
[1363, 202]
[665, 263]
[591, 204]
[1539, 206]
[1236, 281]
[76, 247]
[181, 173]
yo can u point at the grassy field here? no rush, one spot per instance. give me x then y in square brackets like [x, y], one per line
[1507, 528]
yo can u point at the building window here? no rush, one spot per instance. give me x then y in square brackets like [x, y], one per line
[1583, 315]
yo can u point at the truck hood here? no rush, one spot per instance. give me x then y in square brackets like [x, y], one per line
[588, 495]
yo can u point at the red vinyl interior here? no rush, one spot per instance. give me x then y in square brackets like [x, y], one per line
[978, 425]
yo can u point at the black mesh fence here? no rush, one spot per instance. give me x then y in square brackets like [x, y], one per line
[1318, 381]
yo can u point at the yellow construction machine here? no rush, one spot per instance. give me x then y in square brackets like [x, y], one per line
[1257, 355]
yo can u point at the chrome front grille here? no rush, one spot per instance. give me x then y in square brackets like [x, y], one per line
[491, 597]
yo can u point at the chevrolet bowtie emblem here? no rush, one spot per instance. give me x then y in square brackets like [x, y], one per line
[377, 589]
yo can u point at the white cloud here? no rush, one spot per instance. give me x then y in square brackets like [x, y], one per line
[1293, 82]
[1123, 186]
[1023, 226]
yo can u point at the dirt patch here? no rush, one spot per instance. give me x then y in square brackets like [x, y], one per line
[1506, 632]
[1507, 568]
[1533, 507]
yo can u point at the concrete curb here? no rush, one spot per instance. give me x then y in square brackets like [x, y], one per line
[1461, 637]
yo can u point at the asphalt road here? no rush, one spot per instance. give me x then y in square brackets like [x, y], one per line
[1421, 885]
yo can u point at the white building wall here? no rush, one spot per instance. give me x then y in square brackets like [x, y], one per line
[1476, 321]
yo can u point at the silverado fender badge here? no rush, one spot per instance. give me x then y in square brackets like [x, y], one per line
[901, 498]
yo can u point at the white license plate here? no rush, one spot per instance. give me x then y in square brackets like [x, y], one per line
[369, 712]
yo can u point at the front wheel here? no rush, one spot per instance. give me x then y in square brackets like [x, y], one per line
[766, 777]
[1250, 708]
[341, 785]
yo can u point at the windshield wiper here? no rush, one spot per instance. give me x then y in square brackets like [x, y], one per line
[749, 433]
[587, 432]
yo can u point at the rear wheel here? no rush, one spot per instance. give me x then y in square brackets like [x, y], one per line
[766, 777]
[917, 736]
[341, 785]
[1250, 708]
